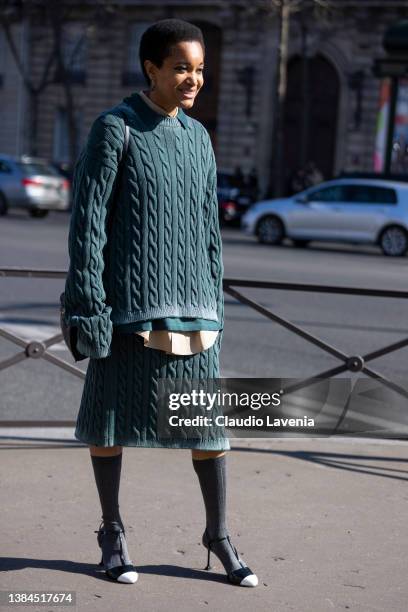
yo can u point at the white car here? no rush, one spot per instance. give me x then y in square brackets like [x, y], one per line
[33, 184]
[370, 211]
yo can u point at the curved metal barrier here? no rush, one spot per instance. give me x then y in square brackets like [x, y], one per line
[35, 349]
[351, 363]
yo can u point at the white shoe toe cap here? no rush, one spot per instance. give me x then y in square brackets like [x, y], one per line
[250, 581]
[130, 577]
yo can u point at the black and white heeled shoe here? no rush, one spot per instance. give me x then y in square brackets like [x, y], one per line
[126, 572]
[242, 576]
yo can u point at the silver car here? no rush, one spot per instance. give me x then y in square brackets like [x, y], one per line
[370, 211]
[33, 184]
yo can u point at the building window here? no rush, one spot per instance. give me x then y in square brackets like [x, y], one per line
[2, 57]
[61, 135]
[74, 46]
[133, 74]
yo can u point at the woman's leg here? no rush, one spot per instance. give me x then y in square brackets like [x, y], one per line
[107, 465]
[210, 467]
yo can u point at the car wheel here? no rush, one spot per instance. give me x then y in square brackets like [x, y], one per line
[3, 205]
[394, 241]
[38, 213]
[270, 230]
[300, 244]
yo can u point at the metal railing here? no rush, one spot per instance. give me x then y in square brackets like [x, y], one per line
[35, 349]
[351, 363]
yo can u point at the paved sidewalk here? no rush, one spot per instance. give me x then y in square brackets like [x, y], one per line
[323, 522]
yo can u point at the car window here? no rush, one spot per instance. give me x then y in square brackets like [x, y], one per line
[335, 193]
[36, 168]
[370, 194]
[4, 168]
[224, 180]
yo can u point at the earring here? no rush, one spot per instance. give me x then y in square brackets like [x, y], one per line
[153, 85]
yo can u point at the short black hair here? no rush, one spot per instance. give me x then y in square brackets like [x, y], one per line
[157, 40]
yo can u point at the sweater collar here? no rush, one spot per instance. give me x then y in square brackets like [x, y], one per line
[154, 106]
[149, 116]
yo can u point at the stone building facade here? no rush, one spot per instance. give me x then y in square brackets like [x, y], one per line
[336, 129]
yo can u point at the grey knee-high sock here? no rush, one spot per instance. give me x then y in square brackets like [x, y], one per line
[212, 477]
[107, 472]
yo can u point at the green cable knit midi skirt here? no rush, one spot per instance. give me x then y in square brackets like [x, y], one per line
[119, 404]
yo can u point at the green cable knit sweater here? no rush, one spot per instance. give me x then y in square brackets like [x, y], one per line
[174, 324]
[163, 255]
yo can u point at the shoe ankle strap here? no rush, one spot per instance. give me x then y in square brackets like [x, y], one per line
[103, 529]
[212, 540]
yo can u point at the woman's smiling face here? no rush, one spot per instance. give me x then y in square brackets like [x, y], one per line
[180, 77]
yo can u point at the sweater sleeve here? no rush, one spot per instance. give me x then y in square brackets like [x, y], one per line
[92, 186]
[214, 240]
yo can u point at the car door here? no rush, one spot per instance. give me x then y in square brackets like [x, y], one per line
[316, 216]
[365, 209]
[9, 185]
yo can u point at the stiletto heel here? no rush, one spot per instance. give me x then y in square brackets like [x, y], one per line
[208, 561]
[125, 573]
[242, 576]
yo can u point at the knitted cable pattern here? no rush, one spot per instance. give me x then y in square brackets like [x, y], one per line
[92, 185]
[151, 295]
[163, 155]
[135, 394]
[166, 214]
[192, 215]
[180, 262]
[131, 418]
[135, 232]
[214, 240]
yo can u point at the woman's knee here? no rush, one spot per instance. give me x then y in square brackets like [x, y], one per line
[105, 451]
[200, 454]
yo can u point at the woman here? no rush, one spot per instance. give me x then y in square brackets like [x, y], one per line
[144, 286]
